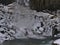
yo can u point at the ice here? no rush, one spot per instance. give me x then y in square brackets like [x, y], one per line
[57, 41]
[19, 22]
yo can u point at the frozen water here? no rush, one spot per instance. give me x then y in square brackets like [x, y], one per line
[20, 22]
[57, 41]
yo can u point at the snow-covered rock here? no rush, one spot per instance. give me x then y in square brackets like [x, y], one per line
[22, 23]
[57, 42]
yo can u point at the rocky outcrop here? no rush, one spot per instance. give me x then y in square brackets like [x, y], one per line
[19, 22]
[6, 2]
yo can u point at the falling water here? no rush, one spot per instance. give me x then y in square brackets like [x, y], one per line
[23, 2]
[26, 21]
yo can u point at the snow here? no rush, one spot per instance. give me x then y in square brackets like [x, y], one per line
[57, 41]
[20, 22]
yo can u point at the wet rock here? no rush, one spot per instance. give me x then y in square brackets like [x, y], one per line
[6, 2]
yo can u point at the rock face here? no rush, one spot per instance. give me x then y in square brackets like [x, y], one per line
[19, 22]
[44, 4]
[6, 2]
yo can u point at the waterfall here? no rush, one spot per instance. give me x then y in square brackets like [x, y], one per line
[23, 2]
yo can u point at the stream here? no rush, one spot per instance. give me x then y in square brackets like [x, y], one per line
[28, 42]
